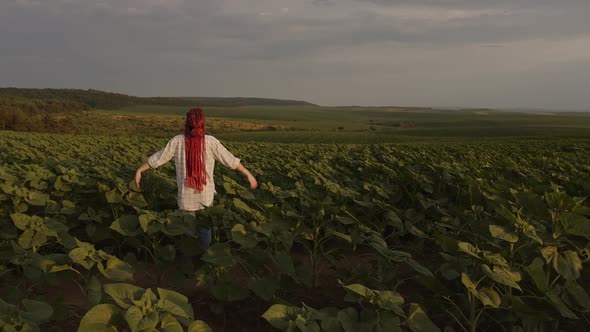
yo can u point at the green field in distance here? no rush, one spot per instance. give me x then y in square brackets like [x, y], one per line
[314, 124]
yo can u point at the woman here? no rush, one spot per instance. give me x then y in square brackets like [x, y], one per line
[195, 154]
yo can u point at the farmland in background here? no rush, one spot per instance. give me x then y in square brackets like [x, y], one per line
[294, 124]
[240, 119]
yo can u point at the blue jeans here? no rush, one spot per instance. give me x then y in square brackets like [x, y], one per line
[203, 233]
[204, 237]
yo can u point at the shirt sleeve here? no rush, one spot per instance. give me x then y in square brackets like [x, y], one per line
[163, 156]
[225, 157]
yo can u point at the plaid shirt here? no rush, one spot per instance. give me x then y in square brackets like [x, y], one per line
[190, 199]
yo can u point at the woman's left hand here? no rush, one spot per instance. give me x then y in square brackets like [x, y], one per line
[143, 167]
[253, 182]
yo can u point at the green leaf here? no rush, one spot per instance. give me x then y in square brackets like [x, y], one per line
[38, 239]
[241, 237]
[343, 236]
[575, 224]
[577, 295]
[136, 200]
[137, 320]
[114, 196]
[242, 206]
[176, 303]
[468, 248]
[52, 207]
[54, 227]
[219, 254]
[170, 324]
[349, 319]
[36, 198]
[100, 318]
[568, 265]
[123, 294]
[388, 322]
[419, 268]
[69, 207]
[549, 253]
[305, 325]
[418, 321]
[133, 186]
[172, 296]
[246, 194]
[390, 300]
[25, 240]
[199, 326]
[279, 315]
[495, 258]
[360, 290]
[166, 252]
[68, 204]
[116, 269]
[489, 297]
[127, 225]
[346, 220]
[145, 221]
[392, 219]
[501, 233]
[179, 226]
[20, 220]
[61, 185]
[36, 311]
[79, 256]
[94, 290]
[263, 288]
[529, 231]
[21, 207]
[471, 287]
[412, 229]
[284, 262]
[537, 273]
[553, 296]
[102, 187]
[331, 324]
[59, 268]
[503, 275]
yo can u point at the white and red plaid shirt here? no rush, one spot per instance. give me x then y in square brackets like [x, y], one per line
[190, 199]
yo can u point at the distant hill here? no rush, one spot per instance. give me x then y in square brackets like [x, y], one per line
[240, 101]
[108, 100]
[38, 105]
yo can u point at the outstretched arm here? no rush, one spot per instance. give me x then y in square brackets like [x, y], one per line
[230, 161]
[140, 170]
[158, 159]
[251, 178]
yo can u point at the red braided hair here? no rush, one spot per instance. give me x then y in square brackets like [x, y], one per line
[194, 147]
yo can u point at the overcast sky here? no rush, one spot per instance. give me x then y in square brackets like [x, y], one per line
[486, 53]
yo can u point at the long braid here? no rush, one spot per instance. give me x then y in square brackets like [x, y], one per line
[194, 146]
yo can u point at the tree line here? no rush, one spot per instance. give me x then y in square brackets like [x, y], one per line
[108, 100]
[44, 115]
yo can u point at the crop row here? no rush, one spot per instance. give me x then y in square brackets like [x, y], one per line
[463, 236]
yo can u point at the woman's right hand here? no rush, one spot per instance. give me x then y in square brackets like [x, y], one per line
[246, 172]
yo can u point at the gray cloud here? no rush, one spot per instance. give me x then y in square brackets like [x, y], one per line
[326, 51]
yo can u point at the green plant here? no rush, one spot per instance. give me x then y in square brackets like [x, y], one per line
[142, 310]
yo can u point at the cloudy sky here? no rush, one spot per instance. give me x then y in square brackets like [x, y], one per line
[486, 53]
